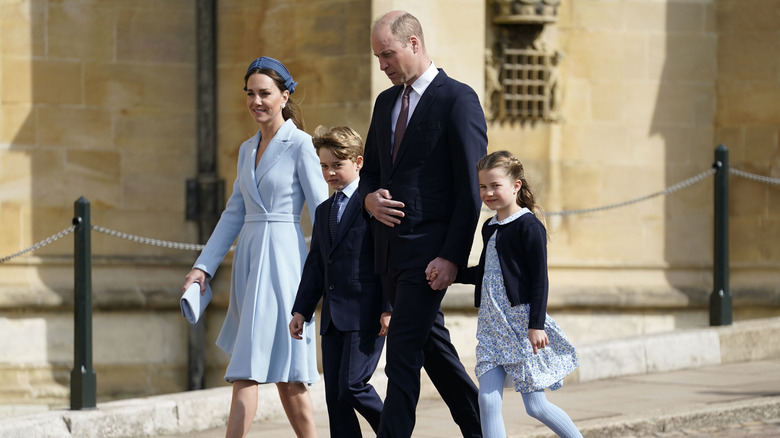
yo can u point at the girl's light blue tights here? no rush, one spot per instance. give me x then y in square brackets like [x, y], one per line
[491, 391]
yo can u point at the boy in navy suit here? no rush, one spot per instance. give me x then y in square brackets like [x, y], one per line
[340, 270]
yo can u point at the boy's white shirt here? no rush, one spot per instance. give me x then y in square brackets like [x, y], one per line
[348, 191]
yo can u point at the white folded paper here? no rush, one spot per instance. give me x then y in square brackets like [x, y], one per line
[193, 303]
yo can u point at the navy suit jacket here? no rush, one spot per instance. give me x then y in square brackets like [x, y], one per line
[434, 174]
[342, 272]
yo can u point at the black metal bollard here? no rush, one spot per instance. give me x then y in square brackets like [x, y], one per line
[720, 300]
[83, 386]
[207, 190]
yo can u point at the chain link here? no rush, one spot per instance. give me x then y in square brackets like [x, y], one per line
[198, 247]
[41, 244]
[149, 241]
[671, 189]
[754, 177]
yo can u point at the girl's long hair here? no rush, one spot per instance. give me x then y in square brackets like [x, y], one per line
[514, 169]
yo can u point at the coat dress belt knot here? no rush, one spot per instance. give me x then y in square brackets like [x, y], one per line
[272, 217]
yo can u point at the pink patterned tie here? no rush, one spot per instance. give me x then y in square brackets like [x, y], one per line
[400, 125]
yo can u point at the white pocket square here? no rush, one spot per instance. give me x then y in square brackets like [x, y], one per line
[193, 303]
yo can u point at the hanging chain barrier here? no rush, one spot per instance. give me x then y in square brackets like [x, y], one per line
[754, 177]
[681, 185]
[148, 241]
[40, 244]
[197, 247]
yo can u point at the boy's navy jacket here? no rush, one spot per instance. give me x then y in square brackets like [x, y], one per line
[522, 254]
[342, 272]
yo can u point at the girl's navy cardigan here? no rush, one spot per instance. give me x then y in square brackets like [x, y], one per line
[522, 253]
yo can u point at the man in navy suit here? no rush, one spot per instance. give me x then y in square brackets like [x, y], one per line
[340, 270]
[419, 183]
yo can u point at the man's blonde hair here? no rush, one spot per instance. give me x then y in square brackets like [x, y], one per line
[402, 27]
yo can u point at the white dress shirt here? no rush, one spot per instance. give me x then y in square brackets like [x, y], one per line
[418, 88]
[348, 191]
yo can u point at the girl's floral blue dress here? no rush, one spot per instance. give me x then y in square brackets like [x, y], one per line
[502, 334]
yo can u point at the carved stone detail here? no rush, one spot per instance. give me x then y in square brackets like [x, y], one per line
[521, 70]
[526, 11]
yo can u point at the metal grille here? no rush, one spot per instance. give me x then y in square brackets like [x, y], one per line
[525, 77]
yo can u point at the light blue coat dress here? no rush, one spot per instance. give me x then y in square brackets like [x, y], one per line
[264, 212]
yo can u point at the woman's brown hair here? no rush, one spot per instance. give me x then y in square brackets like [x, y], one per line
[291, 110]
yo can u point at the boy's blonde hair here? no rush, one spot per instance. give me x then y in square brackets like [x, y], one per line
[344, 142]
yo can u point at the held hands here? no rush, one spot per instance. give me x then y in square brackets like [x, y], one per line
[538, 339]
[431, 275]
[296, 326]
[195, 276]
[382, 207]
[384, 322]
[440, 273]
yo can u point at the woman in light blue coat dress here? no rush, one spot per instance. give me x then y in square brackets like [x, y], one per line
[278, 170]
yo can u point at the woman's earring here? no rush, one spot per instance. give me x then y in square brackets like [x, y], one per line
[284, 104]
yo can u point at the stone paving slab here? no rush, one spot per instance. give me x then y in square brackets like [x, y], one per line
[693, 401]
[631, 401]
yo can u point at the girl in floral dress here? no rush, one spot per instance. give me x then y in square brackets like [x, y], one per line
[516, 341]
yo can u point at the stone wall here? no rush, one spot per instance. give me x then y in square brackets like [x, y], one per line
[650, 88]
[647, 93]
[97, 99]
[638, 107]
[748, 122]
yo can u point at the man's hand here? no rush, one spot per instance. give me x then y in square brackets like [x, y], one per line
[296, 326]
[384, 322]
[441, 273]
[382, 207]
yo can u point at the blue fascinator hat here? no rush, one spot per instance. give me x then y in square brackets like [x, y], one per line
[278, 67]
